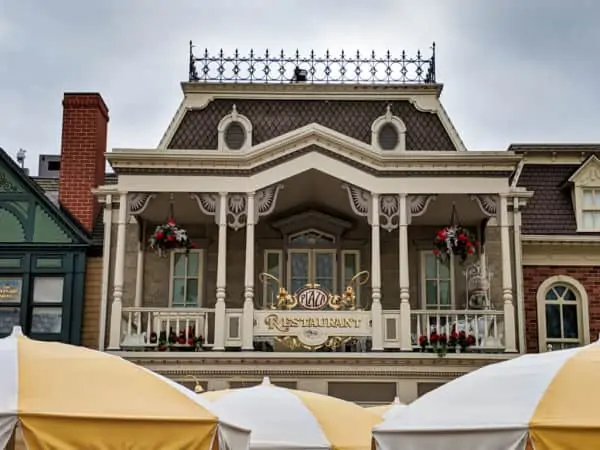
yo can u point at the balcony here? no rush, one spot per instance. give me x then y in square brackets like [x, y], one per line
[193, 329]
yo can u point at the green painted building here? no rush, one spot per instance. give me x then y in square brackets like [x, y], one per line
[42, 260]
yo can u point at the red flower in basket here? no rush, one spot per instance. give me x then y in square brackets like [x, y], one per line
[423, 341]
[434, 338]
[169, 236]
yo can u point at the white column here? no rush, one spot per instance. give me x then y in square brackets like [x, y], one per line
[519, 289]
[106, 259]
[139, 268]
[376, 311]
[220, 325]
[248, 315]
[119, 275]
[405, 319]
[507, 290]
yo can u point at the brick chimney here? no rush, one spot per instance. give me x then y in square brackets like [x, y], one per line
[82, 162]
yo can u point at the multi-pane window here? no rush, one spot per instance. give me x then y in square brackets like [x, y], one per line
[437, 282]
[590, 210]
[563, 317]
[10, 303]
[186, 279]
[46, 316]
[311, 266]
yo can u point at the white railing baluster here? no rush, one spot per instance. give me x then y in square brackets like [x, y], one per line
[483, 325]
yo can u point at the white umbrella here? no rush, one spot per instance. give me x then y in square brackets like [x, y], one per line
[287, 419]
[544, 401]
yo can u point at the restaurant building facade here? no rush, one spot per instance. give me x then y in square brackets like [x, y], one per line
[332, 233]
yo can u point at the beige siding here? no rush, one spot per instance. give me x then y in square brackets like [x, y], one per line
[91, 307]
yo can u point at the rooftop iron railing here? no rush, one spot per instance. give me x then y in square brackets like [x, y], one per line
[281, 68]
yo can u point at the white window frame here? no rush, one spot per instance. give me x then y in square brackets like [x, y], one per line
[266, 254]
[595, 209]
[423, 280]
[343, 282]
[234, 116]
[397, 123]
[201, 262]
[312, 252]
[587, 177]
[582, 311]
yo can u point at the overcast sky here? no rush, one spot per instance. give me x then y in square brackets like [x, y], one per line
[513, 70]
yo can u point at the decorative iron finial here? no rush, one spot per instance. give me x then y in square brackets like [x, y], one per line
[193, 74]
[21, 157]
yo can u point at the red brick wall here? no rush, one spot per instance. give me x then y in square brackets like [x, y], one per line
[534, 276]
[82, 162]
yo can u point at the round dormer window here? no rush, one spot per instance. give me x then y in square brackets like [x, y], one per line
[235, 136]
[388, 137]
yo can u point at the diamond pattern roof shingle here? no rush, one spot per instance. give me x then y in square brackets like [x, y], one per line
[550, 211]
[272, 118]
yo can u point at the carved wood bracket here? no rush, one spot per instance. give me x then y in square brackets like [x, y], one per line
[389, 206]
[237, 205]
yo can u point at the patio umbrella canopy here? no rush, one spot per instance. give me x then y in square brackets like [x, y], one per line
[388, 411]
[546, 401]
[286, 419]
[69, 398]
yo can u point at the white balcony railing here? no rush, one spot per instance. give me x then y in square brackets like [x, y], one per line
[194, 329]
[163, 328]
[485, 326]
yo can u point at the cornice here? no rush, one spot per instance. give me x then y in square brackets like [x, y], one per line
[407, 365]
[289, 145]
[329, 91]
[561, 239]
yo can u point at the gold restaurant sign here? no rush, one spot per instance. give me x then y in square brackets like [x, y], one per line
[313, 317]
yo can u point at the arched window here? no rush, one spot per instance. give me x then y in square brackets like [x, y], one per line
[563, 318]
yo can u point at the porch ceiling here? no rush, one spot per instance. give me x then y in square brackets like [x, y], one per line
[313, 190]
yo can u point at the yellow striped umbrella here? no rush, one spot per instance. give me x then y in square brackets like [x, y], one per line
[388, 411]
[547, 401]
[286, 419]
[73, 398]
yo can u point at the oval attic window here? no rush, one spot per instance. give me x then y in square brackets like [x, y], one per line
[235, 136]
[388, 137]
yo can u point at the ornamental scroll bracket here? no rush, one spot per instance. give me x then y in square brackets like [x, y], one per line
[389, 206]
[488, 204]
[237, 205]
[138, 202]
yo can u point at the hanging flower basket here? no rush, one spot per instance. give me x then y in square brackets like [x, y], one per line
[170, 236]
[454, 240]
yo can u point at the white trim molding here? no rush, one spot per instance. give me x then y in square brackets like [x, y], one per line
[560, 239]
[583, 315]
[243, 121]
[587, 177]
[388, 119]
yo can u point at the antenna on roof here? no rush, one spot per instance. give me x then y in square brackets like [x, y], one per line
[21, 158]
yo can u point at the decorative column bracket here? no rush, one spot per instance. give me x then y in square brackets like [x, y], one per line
[488, 204]
[389, 206]
[237, 208]
[138, 202]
